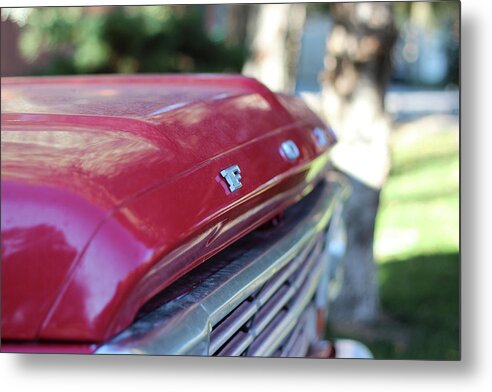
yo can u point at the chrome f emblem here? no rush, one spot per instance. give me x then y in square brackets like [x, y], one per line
[232, 176]
[289, 150]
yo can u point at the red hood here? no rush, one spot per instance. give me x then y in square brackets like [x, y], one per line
[111, 189]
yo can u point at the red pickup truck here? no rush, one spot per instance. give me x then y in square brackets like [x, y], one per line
[174, 215]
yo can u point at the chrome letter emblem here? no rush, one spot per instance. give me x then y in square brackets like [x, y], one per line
[232, 176]
[289, 150]
[320, 137]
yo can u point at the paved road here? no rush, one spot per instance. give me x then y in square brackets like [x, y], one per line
[406, 103]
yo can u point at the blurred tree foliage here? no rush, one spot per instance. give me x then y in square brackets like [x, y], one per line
[126, 40]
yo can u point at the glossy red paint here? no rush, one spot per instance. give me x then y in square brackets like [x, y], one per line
[49, 348]
[111, 189]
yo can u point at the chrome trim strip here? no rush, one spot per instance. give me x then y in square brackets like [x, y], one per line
[183, 326]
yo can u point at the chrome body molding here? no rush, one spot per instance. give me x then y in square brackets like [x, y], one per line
[183, 325]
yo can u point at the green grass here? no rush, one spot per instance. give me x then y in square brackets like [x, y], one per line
[417, 250]
[419, 204]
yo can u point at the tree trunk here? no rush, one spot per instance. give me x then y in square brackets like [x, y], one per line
[275, 35]
[357, 71]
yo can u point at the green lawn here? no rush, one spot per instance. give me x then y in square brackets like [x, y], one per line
[417, 250]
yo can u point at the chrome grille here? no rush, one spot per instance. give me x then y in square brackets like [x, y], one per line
[256, 327]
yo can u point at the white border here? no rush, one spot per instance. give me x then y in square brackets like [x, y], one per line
[84, 373]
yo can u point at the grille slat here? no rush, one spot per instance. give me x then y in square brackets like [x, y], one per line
[300, 346]
[237, 345]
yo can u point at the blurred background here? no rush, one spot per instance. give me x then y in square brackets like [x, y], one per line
[385, 76]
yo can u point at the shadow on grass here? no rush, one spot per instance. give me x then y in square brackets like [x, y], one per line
[420, 310]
